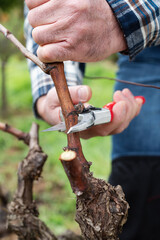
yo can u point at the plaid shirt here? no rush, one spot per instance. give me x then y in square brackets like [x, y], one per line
[140, 23]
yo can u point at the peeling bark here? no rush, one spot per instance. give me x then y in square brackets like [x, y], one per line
[4, 199]
[23, 214]
[24, 222]
[68, 235]
[102, 211]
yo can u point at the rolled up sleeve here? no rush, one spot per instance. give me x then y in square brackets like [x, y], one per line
[139, 21]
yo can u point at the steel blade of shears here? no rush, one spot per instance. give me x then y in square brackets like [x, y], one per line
[85, 120]
[59, 127]
[95, 117]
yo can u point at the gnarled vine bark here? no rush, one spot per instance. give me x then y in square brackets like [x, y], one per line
[21, 215]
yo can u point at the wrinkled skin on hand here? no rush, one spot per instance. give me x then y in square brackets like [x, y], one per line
[83, 31]
[125, 109]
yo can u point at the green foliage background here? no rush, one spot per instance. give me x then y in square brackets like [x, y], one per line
[6, 5]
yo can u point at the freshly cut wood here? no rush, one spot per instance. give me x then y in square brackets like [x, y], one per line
[68, 155]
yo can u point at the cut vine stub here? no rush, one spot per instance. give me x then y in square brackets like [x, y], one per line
[102, 212]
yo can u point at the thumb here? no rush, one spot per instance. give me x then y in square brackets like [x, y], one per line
[81, 93]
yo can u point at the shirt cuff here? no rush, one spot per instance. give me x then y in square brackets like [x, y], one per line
[140, 23]
[39, 93]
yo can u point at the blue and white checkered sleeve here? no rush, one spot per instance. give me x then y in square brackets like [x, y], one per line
[41, 83]
[140, 23]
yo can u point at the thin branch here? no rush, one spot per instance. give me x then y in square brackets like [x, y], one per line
[122, 81]
[24, 51]
[15, 132]
[34, 138]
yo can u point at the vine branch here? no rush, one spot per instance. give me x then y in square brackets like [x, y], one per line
[15, 132]
[45, 67]
[121, 81]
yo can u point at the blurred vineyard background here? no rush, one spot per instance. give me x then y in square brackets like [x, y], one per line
[55, 199]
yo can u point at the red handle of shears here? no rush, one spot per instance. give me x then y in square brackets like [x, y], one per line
[111, 104]
[143, 98]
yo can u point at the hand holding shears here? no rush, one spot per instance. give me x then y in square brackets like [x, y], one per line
[111, 119]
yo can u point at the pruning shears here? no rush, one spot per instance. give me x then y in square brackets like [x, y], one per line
[88, 117]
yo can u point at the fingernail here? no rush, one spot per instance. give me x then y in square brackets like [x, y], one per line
[142, 98]
[83, 93]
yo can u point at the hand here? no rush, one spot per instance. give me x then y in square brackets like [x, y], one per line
[125, 109]
[48, 106]
[83, 31]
